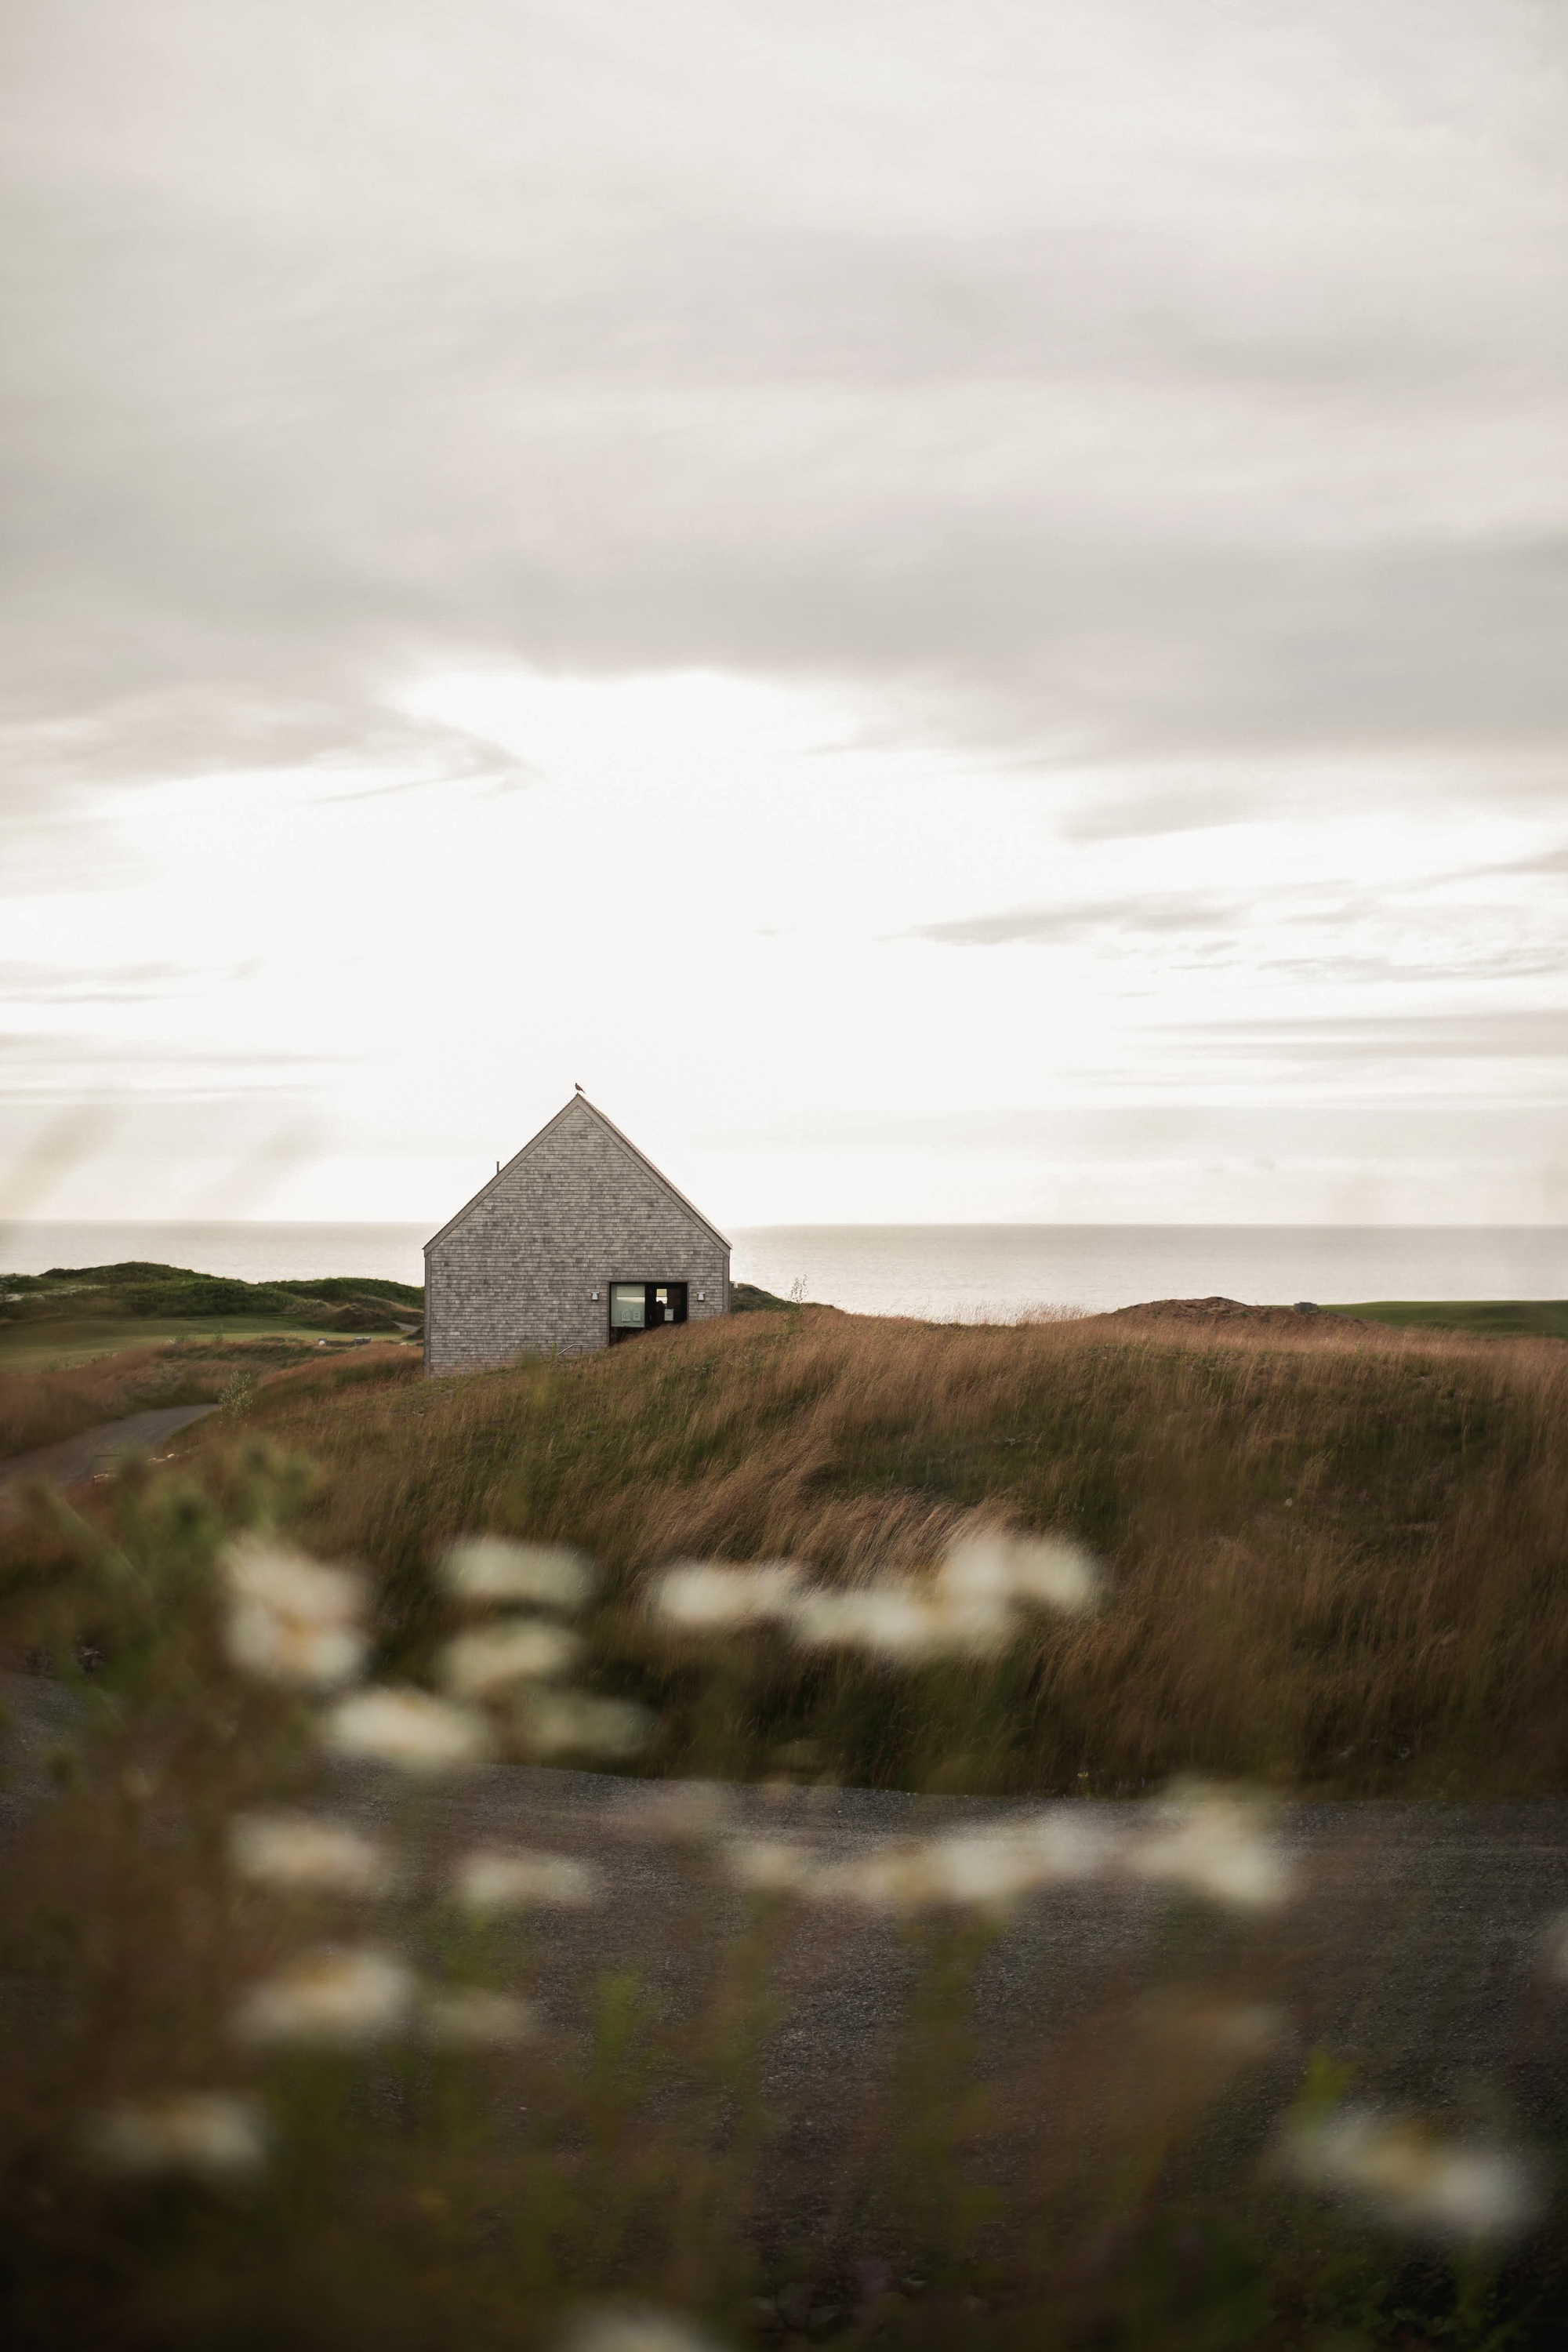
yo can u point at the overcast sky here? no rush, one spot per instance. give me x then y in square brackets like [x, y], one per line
[958, 606]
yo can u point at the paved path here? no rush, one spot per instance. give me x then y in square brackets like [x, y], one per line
[75, 1458]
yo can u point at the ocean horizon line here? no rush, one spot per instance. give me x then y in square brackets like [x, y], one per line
[11, 1226]
[990, 1270]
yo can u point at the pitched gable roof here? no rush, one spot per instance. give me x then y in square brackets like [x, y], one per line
[579, 1102]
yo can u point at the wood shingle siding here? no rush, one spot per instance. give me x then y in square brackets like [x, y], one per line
[578, 1209]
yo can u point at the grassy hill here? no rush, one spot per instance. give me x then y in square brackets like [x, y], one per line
[1338, 1555]
[81, 1345]
[138, 1290]
[73, 1314]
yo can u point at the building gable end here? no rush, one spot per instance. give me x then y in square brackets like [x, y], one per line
[640, 1159]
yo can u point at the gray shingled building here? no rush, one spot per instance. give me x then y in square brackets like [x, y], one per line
[576, 1244]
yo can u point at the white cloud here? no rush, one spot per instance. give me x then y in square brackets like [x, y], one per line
[551, 543]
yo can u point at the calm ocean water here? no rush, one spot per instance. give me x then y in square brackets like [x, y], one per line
[946, 1272]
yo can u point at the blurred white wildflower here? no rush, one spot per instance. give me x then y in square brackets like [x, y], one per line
[1418, 2179]
[990, 1868]
[894, 1618]
[968, 1611]
[492, 1880]
[1214, 1841]
[705, 1595]
[1002, 1572]
[470, 2018]
[289, 1619]
[493, 1657]
[492, 1571]
[633, 2331]
[211, 2135]
[1015, 1857]
[901, 1619]
[342, 1995]
[301, 1850]
[567, 1723]
[409, 1728]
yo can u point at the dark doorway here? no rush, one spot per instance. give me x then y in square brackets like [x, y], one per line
[638, 1307]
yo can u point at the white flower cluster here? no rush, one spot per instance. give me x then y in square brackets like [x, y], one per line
[494, 1572]
[347, 1997]
[1414, 2177]
[516, 1662]
[491, 1879]
[313, 1854]
[293, 1621]
[976, 1604]
[305, 1853]
[411, 1729]
[211, 2136]
[494, 1659]
[1212, 1841]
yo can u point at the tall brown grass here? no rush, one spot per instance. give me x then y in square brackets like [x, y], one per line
[794, 2125]
[39, 1408]
[1338, 1560]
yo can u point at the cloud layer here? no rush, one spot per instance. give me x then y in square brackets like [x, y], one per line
[1085, 481]
[1124, 379]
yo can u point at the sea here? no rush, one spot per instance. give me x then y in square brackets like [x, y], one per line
[941, 1273]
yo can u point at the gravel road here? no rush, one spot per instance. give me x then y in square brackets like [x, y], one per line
[75, 1458]
[1418, 1939]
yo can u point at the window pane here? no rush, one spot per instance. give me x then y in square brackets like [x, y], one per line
[626, 1299]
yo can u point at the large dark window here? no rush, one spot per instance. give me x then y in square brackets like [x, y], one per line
[645, 1307]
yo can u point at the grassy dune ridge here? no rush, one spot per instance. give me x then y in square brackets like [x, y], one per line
[1339, 1555]
[141, 1287]
[56, 1330]
[84, 1345]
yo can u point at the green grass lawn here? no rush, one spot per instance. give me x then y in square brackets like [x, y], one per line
[73, 1315]
[1496, 1318]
